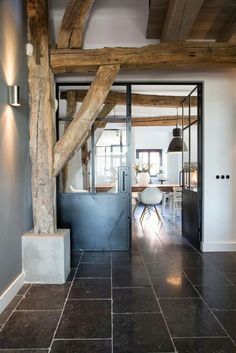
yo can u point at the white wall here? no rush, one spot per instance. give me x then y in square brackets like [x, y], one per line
[123, 23]
[158, 137]
[112, 22]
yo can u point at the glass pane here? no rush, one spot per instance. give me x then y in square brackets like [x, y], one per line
[110, 146]
[75, 176]
[186, 157]
[143, 157]
[110, 155]
[154, 163]
[194, 158]
[190, 136]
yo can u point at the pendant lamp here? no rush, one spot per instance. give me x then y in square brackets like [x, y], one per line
[177, 144]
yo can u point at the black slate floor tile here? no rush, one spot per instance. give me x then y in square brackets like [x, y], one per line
[220, 297]
[222, 261]
[23, 351]
[91, 270]
[45, 297]
[101, 346]
[163, 270]
[140, 333]
[75, 259]
[134, 300]
[24, 289]
[233, 254]
[96, 256]
[71, 275]
[204, 345]
[205, 276]
[91, 288]
[217, 256]
[153, 257]
[125, 259]
[190, 318]
[130, 277]
[173, 287]
[9, 309]
[26, 329]
[86, 319]
[228, 321]
[182, 247]
[191, 260]
[231, 277]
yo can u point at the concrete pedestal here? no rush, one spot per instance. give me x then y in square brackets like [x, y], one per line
[46, 258]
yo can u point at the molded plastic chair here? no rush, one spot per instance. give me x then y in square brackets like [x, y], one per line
[150, 197]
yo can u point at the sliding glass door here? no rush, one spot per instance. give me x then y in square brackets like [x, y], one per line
[95, 192]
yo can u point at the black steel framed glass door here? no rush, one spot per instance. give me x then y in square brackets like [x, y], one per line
[191, 166]
[95, 203]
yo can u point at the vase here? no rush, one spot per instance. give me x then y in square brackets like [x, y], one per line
[143, 178]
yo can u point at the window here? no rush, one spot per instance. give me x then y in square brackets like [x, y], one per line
[153, 158]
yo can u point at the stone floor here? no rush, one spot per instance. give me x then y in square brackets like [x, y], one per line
[164, 296]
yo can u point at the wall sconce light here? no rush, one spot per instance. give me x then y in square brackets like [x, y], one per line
[14, 95]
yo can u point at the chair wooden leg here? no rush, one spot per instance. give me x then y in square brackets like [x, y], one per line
[174, 211]
[163, 204]
[158, 216]
[134, 209]
[143, 213]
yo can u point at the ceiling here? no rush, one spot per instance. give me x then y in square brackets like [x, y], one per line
[208, 24]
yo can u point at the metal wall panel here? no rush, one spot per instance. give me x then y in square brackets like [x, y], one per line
[97, 221]
[190, 217]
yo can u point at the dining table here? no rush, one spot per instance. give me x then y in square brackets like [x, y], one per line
[138, 188]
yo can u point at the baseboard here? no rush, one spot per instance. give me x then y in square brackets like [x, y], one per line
[218, 246]
[11, 291]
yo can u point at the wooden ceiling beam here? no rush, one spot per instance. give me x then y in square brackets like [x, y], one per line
[228, 32]
[181, 15]
[71, 33]
[161, 121]
[166, 120]
[185, 55]
[138, 99]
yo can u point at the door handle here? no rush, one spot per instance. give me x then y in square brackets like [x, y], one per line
[181, 178]
[122, 181]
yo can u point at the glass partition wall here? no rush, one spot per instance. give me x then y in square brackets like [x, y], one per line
[95, 187]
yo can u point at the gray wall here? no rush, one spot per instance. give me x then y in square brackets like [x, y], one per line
[15, 196]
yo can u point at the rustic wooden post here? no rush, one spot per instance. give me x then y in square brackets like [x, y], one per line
[84, 158]
[42, 114]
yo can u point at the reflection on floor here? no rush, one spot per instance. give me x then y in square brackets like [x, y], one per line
[162, 297]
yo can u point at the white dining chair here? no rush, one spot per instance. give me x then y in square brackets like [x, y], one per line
[150, 198]
[166, 200]
[176, 202]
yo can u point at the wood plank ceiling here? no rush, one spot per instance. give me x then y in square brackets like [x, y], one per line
[177, 20]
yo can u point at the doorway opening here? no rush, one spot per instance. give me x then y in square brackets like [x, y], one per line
[101, 190]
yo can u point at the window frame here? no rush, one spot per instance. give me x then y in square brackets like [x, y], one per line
[149, 150]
